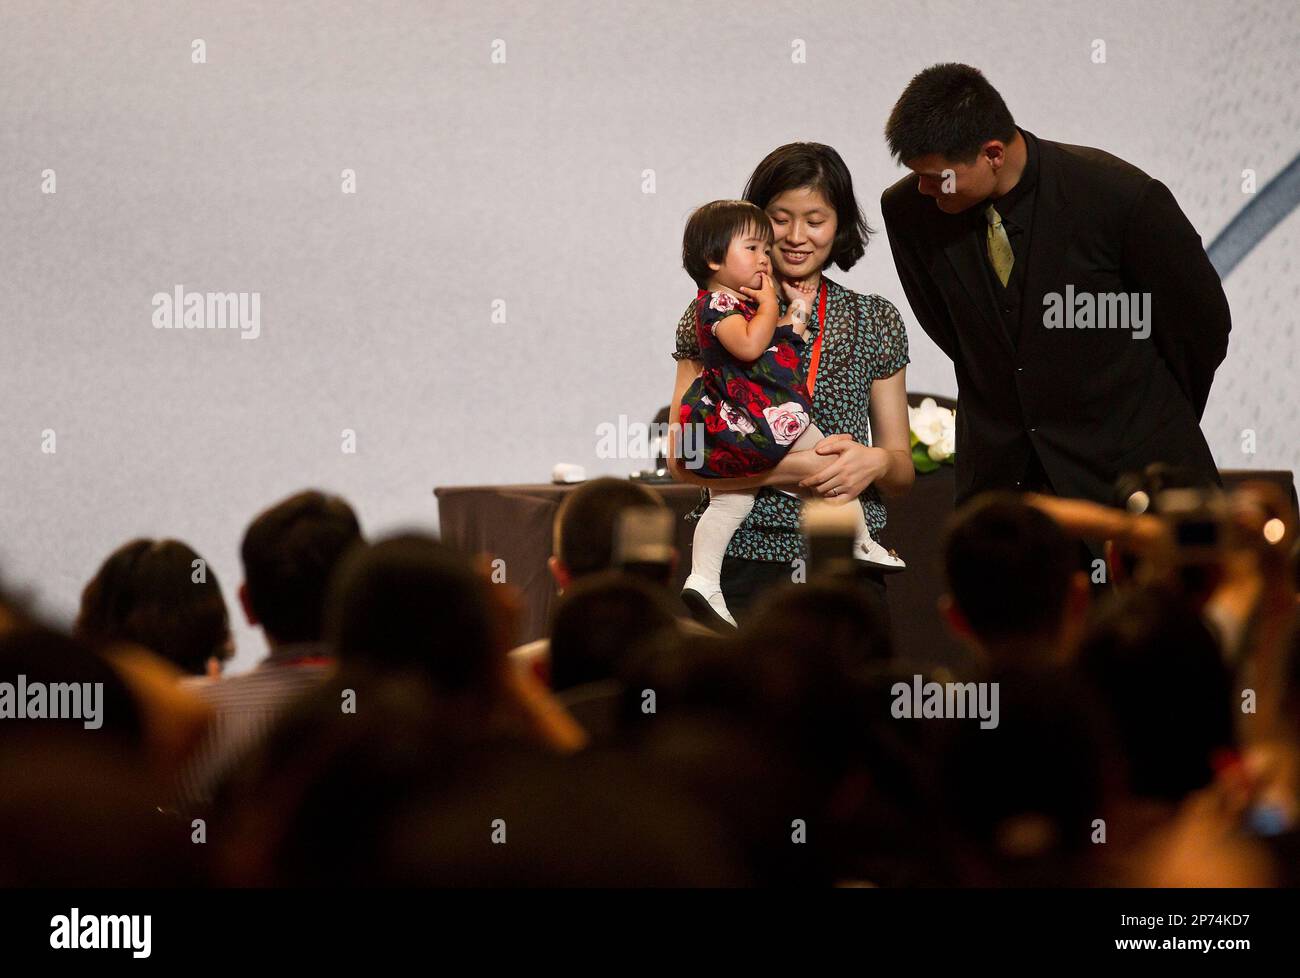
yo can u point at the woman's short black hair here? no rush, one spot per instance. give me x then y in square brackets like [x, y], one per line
[817, 167]
[948, 109]
[710, 230]
[147, 593]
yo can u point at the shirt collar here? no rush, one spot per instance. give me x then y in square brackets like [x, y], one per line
[1028, 180]
[292, 651]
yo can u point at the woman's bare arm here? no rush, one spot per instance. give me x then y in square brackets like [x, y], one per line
[890, 431]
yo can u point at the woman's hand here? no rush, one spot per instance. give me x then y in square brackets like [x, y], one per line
[796, 313]
[855, 467]
[799, 299]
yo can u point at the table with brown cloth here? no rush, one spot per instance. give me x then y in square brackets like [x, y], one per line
[513, 523]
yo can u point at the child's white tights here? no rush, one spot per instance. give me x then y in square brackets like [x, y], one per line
[720, 521]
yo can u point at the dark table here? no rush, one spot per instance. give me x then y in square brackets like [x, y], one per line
[513, 523]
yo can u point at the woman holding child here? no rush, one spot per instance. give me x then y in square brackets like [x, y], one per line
[784, 368]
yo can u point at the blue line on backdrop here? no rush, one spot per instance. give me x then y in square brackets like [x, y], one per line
[1266, 210]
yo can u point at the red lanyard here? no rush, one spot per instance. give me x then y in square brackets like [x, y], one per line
[817, 343]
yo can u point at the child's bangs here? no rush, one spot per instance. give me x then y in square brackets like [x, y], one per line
[755, 229]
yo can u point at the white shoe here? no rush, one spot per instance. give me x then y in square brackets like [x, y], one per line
[706, 602]
[870, 552]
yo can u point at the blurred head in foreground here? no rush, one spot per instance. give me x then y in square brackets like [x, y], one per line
[1014, 592]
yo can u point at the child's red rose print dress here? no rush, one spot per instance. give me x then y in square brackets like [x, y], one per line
[751, 412]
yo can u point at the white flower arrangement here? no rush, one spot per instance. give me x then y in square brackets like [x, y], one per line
[934, 435]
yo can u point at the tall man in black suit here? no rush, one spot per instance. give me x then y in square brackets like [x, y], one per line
[1014, 252]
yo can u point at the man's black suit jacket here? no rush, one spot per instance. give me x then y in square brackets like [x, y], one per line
[1093, 403]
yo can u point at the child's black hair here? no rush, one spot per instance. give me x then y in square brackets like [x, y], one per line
[710, 230]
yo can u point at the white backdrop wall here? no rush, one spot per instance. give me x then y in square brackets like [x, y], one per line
[519, 182]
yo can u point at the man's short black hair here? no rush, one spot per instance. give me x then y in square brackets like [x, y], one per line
[948, 109]
[1008, 568]
[710, 230]
[586, 521]
[289, 553]
[815, 166]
